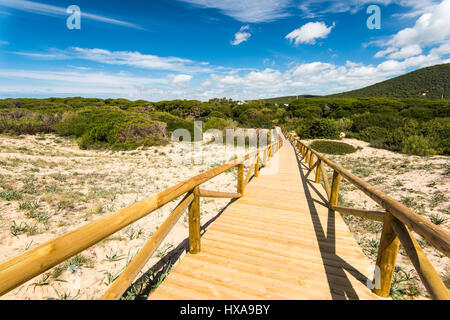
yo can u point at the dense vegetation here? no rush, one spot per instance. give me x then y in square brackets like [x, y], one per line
[414, 126]
[408, 125]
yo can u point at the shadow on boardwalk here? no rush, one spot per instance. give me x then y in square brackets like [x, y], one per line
[326, 240]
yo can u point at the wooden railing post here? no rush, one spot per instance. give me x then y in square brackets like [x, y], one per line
[257, 166]
[311, 160]
[387, 255]
[335, 188]
[429, 276]
[194, 223]
[240, 184]
[318, 171]
[264, 159]
[307, 156]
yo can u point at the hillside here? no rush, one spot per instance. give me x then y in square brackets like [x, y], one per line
[427, 83]
[430, 83]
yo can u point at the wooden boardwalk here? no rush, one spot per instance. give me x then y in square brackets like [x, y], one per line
[278, 241]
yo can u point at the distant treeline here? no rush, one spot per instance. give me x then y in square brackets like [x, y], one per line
[414, 126]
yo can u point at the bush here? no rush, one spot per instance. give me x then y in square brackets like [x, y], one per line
[332, 147]
[318, 129]
[219, 124]
[389, 121]
[417, 145]
[344, 124]
[372, 134]
[111, 127]
[255, 118]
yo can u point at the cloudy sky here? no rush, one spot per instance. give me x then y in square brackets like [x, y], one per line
[200, 49]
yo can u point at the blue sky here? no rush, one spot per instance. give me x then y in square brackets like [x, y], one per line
[201, 49]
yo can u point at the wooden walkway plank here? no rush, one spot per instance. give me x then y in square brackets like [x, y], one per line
[278, 241]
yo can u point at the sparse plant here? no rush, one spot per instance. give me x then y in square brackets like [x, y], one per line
[398, 183]
[437, 219]
[134, 233]
[163, 251]
[437, 198]
[64, 296]
[404, 285]
[113, 257]
[44, 281]
[410, 202]
[24, 227]
[110, 278]
[11, 195]
[76, 262]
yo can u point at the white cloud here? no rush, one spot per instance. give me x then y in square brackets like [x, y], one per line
[309, 32]
[3, 43]
[444, 49]
[179, 80]
[406, 52]
[139, 60]
[50, 10]
[124, 58]
[320, 8]
[431, 28]
[383, 53]
[248, 10]
[43, 56]
[242, 35]
[306, 78]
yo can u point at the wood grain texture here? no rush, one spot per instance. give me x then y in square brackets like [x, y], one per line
[278, 241]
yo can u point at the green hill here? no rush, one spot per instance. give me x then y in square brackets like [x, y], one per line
[429, 83]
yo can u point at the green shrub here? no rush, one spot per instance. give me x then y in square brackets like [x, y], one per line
[255, 118]
[332, 147]
[219, 124]
[417, 145]
[344, 124]
[111, 127]
[318, 129]
[389, 121]
[373, 134]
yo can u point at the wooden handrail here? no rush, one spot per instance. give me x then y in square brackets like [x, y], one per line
[425, 269]
[435, 235]
[396, 221]
[37, 260]
[118, 287]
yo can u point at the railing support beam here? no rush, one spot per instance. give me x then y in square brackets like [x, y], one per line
[318, 171]
[387, 255]
[335, 188]
[240, 183]
[194, 223]
[257, 166]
